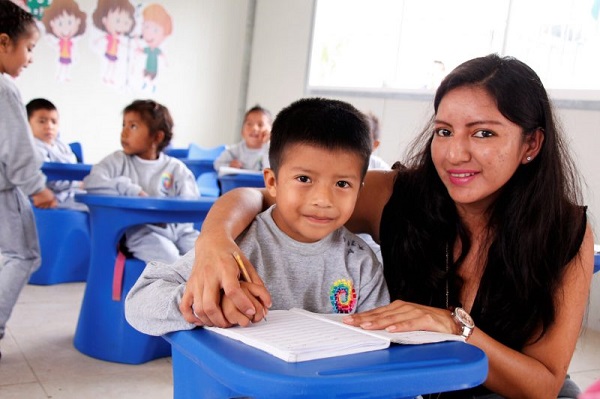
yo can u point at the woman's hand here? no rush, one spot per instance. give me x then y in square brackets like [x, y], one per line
[400, 316]
[216, 273]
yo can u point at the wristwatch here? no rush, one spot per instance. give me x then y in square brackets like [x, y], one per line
[464, 321]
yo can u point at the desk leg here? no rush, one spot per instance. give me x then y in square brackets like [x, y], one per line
[191, 382]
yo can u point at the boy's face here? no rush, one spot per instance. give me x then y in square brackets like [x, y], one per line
[153, 33]
[44, 125]
[315, 190]
[256, 129]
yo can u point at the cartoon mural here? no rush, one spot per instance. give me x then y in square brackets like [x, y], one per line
[37, 7]
[156, 27]
[117, 19]
[64, 20]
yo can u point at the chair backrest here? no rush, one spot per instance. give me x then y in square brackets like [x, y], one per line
[208, 184]
[77, 150]
[178, 153]
[197, 152]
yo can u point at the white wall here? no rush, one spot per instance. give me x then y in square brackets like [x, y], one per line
[200, 84]
[278, 75]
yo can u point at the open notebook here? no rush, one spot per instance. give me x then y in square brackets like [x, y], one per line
[297, 335]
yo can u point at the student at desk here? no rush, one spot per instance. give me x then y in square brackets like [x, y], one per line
[319, 155]
[484, 220]
[142, 169]
[44, 121]
[250, 152]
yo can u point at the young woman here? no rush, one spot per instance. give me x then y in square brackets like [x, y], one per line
[483, 220]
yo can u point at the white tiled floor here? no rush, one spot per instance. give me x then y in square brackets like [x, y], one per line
[39, 360]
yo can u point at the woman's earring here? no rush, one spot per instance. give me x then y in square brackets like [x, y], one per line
[529, 159]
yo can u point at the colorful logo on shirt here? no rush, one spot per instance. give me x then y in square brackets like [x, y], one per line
[166, 181]
[342, 296]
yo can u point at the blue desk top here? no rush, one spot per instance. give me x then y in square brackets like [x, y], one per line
[145, 203]
[65, 171]
[400, 371]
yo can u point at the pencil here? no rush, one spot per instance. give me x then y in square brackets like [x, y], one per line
[240, 263]
[245, 275]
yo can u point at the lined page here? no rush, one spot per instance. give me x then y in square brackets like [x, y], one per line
[295, 336]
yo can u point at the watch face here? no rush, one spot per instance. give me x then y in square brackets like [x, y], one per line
[464, 317]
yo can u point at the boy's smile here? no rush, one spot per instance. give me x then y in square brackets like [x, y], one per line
[315, 190]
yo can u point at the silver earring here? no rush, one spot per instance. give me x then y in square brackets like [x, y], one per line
[529, 159]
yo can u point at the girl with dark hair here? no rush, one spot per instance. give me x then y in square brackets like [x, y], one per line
[21, 180]
[142, 169]
[482, 234]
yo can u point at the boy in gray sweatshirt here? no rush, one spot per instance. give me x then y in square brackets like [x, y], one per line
[318, 156]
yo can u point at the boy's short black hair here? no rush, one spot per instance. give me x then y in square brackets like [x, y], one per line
[326, 123]
[39, 103]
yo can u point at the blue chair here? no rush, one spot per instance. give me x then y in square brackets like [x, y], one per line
[596, 262]
[208, 365]
[102, 331]
[200, 161]
[77, 150]
[178, 153]
[231, 181]
[64, 234]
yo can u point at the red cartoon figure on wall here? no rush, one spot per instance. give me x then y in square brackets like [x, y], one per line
[64, 20]
[115, 18]
[156, 26]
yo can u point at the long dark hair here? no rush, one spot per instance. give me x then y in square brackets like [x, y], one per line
[535, 227]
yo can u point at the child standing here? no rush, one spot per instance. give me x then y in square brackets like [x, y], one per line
[250, 152]
[142, 169]
[44, 121]
[319, 155]
[20, 174]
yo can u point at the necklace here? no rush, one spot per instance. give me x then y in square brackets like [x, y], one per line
[447, 268]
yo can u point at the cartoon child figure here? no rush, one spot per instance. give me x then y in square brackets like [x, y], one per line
[157, 25]
[64, 20]
[116, 18]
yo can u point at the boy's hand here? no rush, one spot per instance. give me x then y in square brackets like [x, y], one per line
[44, 199]
[216, 274]
[236, 164]
[232, 313]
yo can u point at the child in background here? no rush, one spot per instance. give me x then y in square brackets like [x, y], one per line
[319, 155]
[20, 174]
[375, 162]
[142, 169]
[44, 120]
[250, 152]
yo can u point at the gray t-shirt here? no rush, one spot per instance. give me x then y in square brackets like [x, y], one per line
[339, 274]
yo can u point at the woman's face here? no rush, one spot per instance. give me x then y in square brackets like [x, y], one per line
[475, 149]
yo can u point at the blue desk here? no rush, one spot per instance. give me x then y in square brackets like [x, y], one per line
[65, 171]
[229, 182]
[208, 365]
[102, 331]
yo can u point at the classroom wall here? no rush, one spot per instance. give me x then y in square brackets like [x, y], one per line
[199, 82]
[279, 71]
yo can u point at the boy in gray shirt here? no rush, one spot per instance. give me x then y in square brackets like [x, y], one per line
[319, 155]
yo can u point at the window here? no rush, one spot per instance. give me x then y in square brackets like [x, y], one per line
[409, 45]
